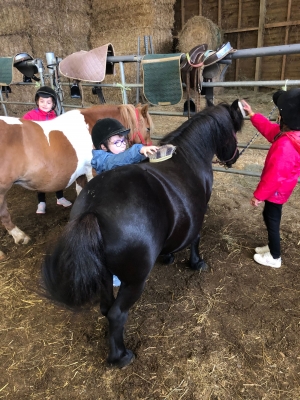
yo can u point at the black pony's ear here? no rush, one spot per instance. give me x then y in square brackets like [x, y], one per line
[237, 106]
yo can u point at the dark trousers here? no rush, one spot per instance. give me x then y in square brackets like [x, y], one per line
[42, 196]
[272, 217]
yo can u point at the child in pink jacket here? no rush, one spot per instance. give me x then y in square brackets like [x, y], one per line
[281, 169]
[45, 99]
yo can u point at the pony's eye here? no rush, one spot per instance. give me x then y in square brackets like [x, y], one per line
[148, 129]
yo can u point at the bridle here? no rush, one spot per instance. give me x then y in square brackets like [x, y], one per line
[247, 145]
[138, 132]
[224, 163]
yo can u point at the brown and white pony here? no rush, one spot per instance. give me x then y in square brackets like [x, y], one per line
[49, 156]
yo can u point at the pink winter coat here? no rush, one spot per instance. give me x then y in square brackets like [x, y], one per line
[282, 165]
[39, 115]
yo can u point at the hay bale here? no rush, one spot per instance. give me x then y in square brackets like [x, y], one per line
[114, 20]
[199, 30]
[14, 19]
[10, 45]
[68, 26]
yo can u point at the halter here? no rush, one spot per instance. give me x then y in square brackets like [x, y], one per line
[247, 145]
[138, 131]
[223, 163]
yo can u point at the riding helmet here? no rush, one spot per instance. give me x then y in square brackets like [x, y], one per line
[46, 91]
[106, 128]
[288, 103]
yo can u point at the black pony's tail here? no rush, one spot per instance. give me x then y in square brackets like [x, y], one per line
[72, 273]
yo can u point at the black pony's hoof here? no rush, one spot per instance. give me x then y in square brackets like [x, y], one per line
[122, 362]
[168, 258]
[200, 266]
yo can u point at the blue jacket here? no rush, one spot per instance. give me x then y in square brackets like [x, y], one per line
[104, 160]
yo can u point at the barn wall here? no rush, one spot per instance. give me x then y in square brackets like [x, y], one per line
[250, 24]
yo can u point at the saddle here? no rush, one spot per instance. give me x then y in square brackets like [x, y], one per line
[91, 66]
[201, 64]
[23, 62]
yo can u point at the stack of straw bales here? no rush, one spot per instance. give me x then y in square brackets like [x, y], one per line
[14, 38]
[67, 26]
[36, 27]
[61, 27]
[121, 23]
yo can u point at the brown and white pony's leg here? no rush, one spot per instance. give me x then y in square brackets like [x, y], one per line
[18, 235]
[82, 180]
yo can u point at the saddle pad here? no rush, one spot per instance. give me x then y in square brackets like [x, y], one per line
[88, 66]
[6, 70]
[162, 81]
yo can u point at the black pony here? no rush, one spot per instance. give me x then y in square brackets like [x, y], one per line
[125, 218]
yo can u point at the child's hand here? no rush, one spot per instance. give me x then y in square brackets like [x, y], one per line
[145, 150]
[247, 108]
[255, 202]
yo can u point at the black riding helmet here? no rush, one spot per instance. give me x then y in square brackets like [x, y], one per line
[288, 103]
[46, 91]
[106, 128]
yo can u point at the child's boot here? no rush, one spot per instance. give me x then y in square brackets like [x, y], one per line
[268, 260]
[63, 202]
[262, 250]
[41, 209]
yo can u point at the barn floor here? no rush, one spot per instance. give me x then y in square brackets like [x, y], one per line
[230, 333]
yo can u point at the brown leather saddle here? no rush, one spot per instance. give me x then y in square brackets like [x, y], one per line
[201, 64]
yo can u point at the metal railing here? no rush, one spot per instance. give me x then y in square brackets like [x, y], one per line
[245, 53]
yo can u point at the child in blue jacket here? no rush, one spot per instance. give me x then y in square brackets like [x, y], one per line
[109, 138]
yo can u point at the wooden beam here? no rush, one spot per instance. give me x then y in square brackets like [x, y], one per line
[287, 29]
[267, 26]
[200, 7]
[260, 38]
[182, 13]
[220, 14]
[237, 63]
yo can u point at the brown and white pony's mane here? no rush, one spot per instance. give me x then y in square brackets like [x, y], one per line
[137, 119]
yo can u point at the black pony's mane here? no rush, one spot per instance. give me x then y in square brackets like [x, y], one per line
[209, 131]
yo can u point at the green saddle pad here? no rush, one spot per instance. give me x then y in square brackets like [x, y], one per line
[162, 78]
[6, 70]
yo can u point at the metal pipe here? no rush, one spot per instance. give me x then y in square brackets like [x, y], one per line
[138, 73]
[239, 172]
[236, 171]
[122, 73]
[265, 51]
[241, 145]
[245, 53]
[287, 82]
[151, 45]
[1, 101]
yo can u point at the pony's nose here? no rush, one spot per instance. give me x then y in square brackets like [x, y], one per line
[234, 159]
